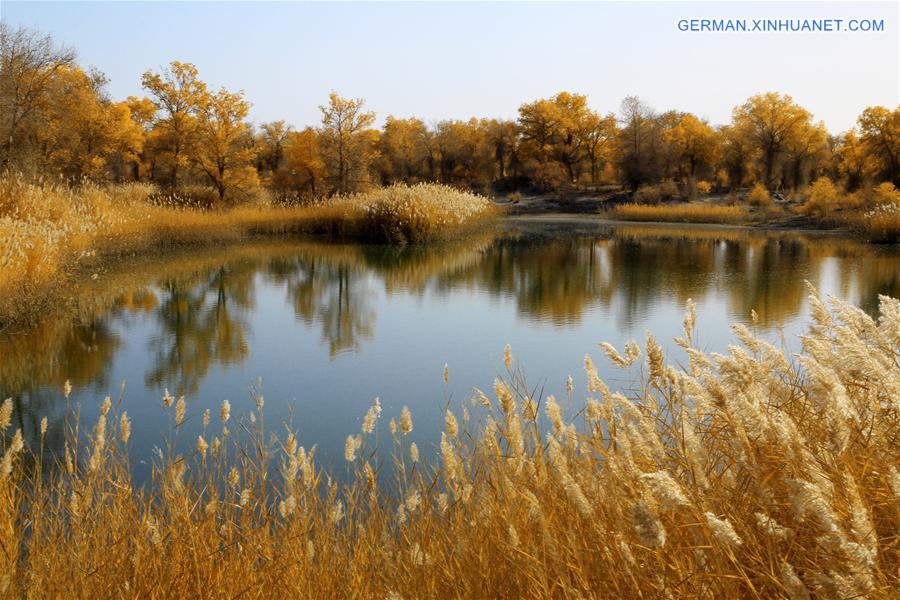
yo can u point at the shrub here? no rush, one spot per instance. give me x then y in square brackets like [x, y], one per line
[886, 193]
[852, 201]
[514, 197]
[759, 197]
[722, 180]
[704, 187]
[550, 176]
[654, 194]
[822, 199]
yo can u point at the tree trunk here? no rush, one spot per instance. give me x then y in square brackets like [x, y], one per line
[769, 165]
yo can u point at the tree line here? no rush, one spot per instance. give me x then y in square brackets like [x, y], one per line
[57, 120]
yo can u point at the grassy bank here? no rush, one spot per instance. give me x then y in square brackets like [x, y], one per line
[880, 225]
[681, 213]
[747, 475]
[873, 213]
[50, 234]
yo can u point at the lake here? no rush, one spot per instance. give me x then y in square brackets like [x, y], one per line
[321, 329]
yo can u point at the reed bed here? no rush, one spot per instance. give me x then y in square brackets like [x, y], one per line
[880, 224]
[681, 213]
[752, 474]
[51, 233]
[417, 213]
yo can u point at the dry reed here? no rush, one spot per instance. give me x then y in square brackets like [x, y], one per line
[751, 474]
[50, 233]
[880, 224]
[681, 213]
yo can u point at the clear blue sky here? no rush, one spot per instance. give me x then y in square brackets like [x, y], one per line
[443, 60]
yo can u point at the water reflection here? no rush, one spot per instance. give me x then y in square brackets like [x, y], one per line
[333, 291]
[35, 366]
[178, 318]
[202, 320]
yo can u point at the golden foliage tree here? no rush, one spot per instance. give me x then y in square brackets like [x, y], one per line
[404, 150]
[126, 142]
[142, 112]
[573, 121]
[880, 133]
[270, 145]
[853, 163]
[807, 148]
[695, 143]
[600, 141]
[503, 138]
[304, 169]
[29, 66]
[771, 123]
[346, 142]
[224, 148]
[84, 133]
[465, 156]
[179, 94]
[557, 129]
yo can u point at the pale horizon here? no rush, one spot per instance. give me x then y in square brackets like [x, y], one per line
[456, 61]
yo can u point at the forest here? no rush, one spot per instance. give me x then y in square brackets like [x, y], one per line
[58, 122]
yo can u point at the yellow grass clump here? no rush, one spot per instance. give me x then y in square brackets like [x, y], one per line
[745, 475]
[50, 232]
[880, 224]
[681, 213]
[415, 213]
[759, 196]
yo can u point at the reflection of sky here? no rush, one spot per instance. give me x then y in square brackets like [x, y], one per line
[413, 334]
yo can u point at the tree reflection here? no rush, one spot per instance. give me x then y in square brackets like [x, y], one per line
[332, 291]
[200, 306]
[34, 367]
[203, 320]
[558, 279]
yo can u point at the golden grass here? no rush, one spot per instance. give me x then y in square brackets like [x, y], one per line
[681, 213]
[417, 213]
[880, 224]
[748, 475]
[49, 233]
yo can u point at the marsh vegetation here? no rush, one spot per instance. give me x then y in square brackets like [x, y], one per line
[52, 234]
[749, 473]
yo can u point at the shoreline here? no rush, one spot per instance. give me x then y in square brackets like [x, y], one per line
[83, 230]
[23, 312]
[699, 215]
[600, 220]
[28, 309]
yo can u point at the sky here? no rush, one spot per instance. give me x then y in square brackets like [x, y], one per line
[457, 60]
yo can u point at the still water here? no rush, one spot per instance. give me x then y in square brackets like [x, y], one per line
[322, 329]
